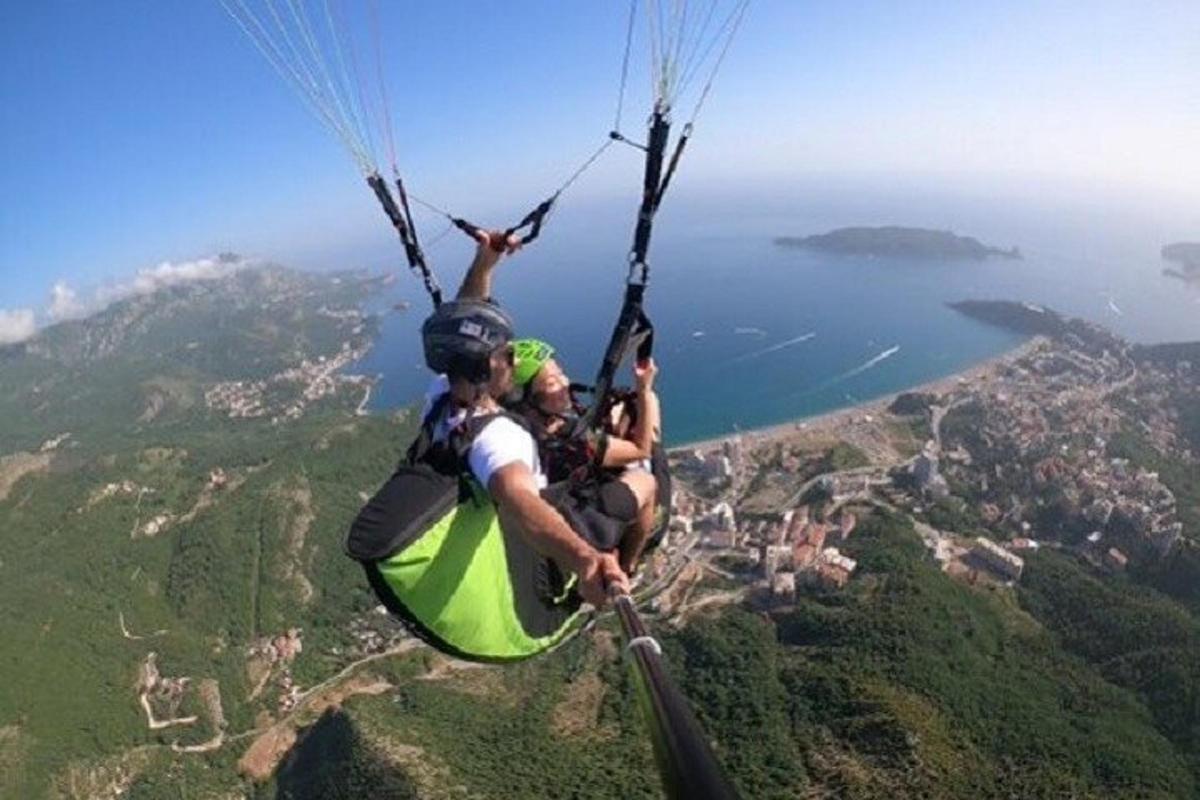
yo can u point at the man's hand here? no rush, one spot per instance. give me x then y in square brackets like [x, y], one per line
[644, 373]
[600, 575]
[493, 244]
[477, 284]
[523, 509]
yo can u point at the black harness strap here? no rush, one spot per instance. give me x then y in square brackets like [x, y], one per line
[402, 222]
[633, 330]
[533, 221]
[679, 145]
[633, 333]
[656, 147]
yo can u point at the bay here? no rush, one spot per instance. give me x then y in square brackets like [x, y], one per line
[750, 334]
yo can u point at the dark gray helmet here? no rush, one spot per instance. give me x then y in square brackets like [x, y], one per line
[460, 335]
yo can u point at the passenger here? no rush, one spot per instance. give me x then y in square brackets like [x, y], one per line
[469, 340]
[623, 488]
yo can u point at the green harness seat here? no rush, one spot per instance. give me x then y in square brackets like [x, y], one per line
[437, 557]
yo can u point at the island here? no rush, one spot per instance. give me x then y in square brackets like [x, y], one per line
[1187, 256]
[893, 241]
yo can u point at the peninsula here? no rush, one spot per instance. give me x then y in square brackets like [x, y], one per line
[892, 241]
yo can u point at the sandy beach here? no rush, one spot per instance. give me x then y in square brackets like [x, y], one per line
[829, 423]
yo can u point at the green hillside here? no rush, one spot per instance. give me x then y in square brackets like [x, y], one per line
[907, 686]
[207, 539]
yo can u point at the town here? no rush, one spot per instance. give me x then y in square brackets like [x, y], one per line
[287, 394]
[1017, 457]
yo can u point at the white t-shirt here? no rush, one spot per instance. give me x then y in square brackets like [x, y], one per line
[500, 443]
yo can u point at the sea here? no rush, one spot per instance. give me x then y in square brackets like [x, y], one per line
[751, 334]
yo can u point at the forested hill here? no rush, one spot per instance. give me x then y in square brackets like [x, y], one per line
[148, 360]
[176, 478]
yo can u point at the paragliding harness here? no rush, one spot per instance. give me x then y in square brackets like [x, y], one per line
[574, 455]
[633, 332]
[437, 557]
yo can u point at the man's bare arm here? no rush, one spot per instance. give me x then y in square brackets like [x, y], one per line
[649, 422]
[515, 492]
[477, 284]
[648, 428]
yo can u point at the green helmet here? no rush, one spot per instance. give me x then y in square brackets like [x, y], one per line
[531, 355]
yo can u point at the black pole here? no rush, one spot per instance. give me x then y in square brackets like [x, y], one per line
[685, 760]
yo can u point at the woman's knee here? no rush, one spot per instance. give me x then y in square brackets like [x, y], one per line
[642, 484]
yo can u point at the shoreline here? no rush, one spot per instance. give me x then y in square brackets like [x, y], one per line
[817, 423]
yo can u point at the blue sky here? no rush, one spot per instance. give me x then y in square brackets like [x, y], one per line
[137, 132]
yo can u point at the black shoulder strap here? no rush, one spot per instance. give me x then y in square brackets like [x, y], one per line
[462, 437]
[466, 433]
[424, 440]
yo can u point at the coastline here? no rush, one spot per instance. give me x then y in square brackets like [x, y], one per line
[829, 422]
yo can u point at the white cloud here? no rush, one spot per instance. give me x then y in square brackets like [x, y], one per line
[169, 274]
[64, 303]
[16, 325]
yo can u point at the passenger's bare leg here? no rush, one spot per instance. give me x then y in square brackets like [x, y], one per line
[645, 490]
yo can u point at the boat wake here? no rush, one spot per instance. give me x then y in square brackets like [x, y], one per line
[848, 374]
[868, 364]
[804, 337]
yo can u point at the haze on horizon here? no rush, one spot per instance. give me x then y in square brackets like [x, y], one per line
[134, 135]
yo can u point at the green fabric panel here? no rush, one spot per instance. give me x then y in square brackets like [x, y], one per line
[455, 580]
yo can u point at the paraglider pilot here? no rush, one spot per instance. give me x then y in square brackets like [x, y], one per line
[469, 342]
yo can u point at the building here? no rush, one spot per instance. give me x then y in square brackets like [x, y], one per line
[723, 517]
[768, 561]
[815, 534]
[775, 558]
[805, 556]
[833, 557]
[806, 546]
[783, 585]
[795, 521]
[831, 576]
[997, 559]
[1115, 559]
[721, 538]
